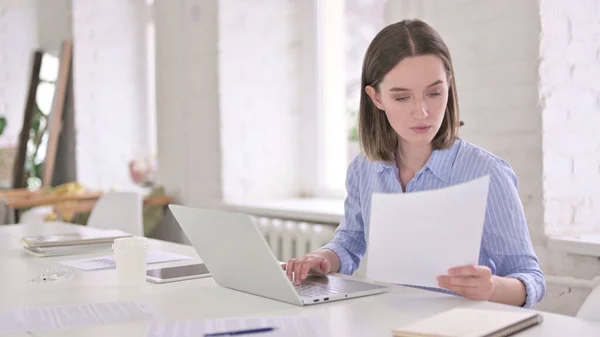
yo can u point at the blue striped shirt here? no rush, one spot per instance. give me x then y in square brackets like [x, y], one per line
[506, 246]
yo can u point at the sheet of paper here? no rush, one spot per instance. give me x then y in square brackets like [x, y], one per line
[73, 316]
[108, 262]
[288, 326]
[12, 322]
[416, 237]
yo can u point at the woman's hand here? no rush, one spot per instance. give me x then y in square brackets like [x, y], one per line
[297, 269]
[473, 282]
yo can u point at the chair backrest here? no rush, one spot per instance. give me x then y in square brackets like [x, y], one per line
[590, 309]
[119, 210]
[35, 215]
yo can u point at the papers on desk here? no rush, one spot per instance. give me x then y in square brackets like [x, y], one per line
[73, 316]
[284, 326]
[416, 237]
[108, 262]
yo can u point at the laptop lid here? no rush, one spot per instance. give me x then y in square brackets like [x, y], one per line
[235, 252]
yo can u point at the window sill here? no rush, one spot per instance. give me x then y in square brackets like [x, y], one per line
[319, 210]
[583, 244]
[331, 211]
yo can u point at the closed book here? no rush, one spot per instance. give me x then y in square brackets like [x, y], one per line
[471, 322]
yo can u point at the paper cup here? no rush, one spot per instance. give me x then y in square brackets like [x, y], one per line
[130, 258]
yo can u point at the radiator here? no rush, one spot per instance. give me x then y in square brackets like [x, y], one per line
[290, 239]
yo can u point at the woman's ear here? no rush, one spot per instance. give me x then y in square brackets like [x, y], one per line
[374, 95]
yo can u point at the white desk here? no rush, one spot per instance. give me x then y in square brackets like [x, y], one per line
[203, 298]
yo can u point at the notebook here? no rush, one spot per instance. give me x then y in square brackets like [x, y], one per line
[470, 322]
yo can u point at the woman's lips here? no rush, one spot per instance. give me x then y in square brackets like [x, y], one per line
[421, 128]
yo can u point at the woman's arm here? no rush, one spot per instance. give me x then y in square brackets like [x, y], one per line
[349, 244]
[344, 252]
[509, 291]
[478, 283]
[512, 274]
[507, 242]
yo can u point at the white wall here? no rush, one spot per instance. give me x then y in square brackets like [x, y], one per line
[261, 93]
[54, 24]
[18, 40]
[110, 102]
[187, 101]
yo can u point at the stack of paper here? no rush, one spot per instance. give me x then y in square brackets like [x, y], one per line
[73, 316]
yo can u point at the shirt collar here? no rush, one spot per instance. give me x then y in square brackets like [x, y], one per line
[438, 163]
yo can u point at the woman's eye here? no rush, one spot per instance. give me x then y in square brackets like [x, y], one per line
[403, 98]
[433, 94]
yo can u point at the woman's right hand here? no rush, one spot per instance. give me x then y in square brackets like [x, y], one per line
[298, 269]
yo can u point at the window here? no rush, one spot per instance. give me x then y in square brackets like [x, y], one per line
[151, 78]
[38, 138]
[344, 30]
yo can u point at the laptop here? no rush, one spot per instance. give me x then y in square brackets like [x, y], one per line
[238, 257]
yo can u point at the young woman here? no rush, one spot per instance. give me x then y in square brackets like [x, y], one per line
[408, 126]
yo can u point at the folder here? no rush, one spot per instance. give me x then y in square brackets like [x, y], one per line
[470, 322]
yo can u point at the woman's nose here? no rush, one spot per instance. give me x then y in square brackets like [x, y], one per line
[420, 109]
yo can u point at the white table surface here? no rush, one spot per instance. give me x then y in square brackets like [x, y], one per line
[202, 298]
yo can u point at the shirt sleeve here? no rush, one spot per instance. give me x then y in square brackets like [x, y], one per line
[506, 238]
[349, 242]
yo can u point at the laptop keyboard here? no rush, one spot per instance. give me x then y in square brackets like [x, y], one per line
[308, 289]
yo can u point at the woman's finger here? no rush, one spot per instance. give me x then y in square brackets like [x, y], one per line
[297, 267]
[289, 270]
[306, 267]
[460, 281]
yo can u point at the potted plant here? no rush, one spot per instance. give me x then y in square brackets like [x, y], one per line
[353, 143]
[3, 123]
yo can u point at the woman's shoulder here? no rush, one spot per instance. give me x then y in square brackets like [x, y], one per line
[481, 160]
[361, 165]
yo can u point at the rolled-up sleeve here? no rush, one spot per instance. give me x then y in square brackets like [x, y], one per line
[349, 242]
[506, 238]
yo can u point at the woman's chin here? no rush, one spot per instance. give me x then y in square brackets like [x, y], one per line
[418, 140]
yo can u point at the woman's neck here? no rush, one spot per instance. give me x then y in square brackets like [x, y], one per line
[411, 157]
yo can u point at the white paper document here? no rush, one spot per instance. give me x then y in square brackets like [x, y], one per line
[108, 262]
[292, 326]
[416, 237]
[73, 316]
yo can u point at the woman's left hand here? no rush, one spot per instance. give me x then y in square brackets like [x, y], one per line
[473, 282]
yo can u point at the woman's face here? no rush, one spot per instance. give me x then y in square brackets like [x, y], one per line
[414, 96]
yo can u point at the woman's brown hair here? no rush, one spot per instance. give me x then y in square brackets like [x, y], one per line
[395, 42]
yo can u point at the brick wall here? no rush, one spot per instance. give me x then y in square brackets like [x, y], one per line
[569, 89]
[110, 102]
[260, 45]
[18, 39]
